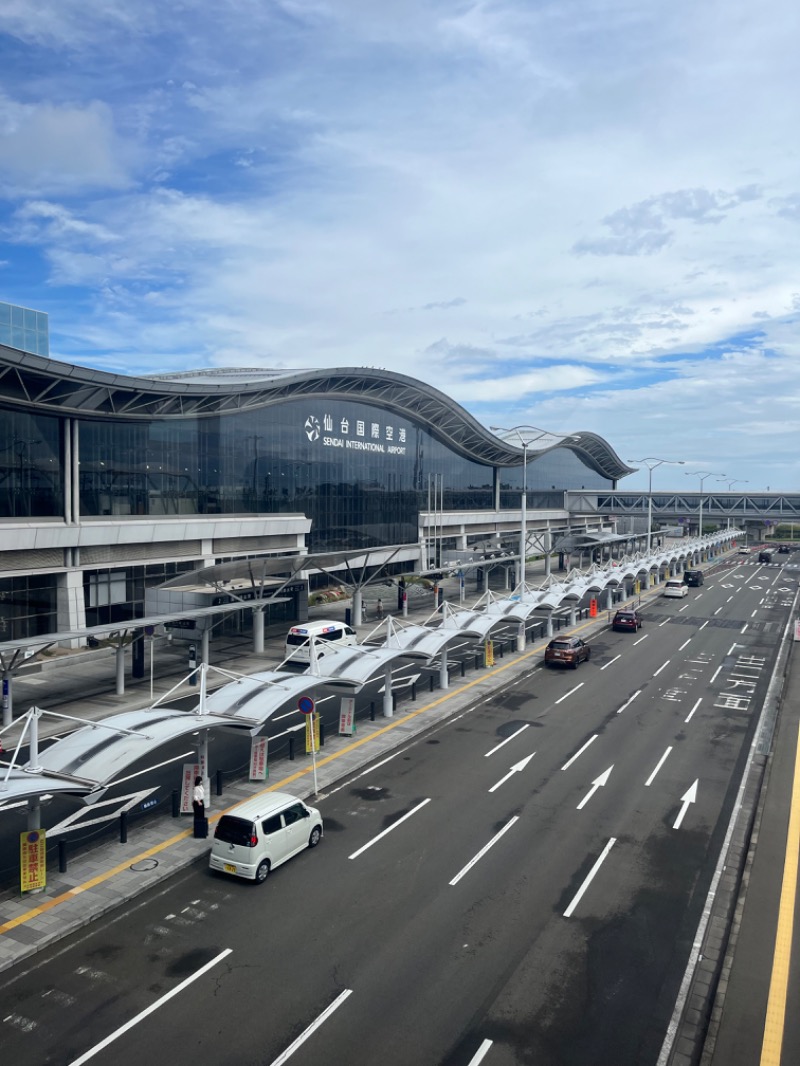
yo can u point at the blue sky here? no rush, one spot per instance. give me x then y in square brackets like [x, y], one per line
[577, 214]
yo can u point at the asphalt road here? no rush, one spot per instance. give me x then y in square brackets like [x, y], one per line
[520, 885]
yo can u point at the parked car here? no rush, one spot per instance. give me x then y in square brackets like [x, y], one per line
[627, 619]
[764, 557]
[261, 833]
[566, 651]
[694, 578]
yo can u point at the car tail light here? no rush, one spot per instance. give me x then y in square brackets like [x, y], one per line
[253, 840]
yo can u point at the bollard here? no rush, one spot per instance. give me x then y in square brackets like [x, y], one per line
[413, 691]
[291, 748]
[372, 710]
[430, 679]
[321, 733]
[123, 827]
[502, 650]
[176, 803]
[463, 668]
[62, 856]
[218, 790]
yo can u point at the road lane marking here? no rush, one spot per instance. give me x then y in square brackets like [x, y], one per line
[591, 740]
[689, 715]
[663, 623]
[622, 708]
[639, 641]
[685, 606]
[502, 742]
[744, 628]
[658, 671]
[684, 644]
[703, 626]
[717, 610]
[480, 1054]
[714, 678]
[612, 661]
[753, 613]
[483, 850]
[598, 782]
[661, 762]
[690, 796]
[312, 1028]
[772, 1044]
[394, 825]
[149, 1010]
[515, 769]
[577, 898]
[562, 698]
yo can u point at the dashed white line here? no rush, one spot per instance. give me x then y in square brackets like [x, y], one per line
[744, 628]
[507, 740]
[311, 1029]
[611, 661]
[149, 1010]
[658, 671]
[394, 825]
[580, 751]
[689, 715]
[689, 641]
[589, 879]
[661, 624]
[661, 762]
[566, 694]
[703, 626]
[483, 850]
[622, 708]
[683, 608]
[714, 678]
[639, 641]
[480, 1054]
[753, 613]
[717, 610]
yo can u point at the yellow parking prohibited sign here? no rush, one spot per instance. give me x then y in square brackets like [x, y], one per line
[32, 860]
[312, 732]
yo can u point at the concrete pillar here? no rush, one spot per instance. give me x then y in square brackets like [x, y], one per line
[521, 637]
[444, 678]
[70, 606]
[205, 641]
[357, 607]
[388, 702]
[258, 631]
[549, 623]
[609, 598]
[573, 615]
[120, 663]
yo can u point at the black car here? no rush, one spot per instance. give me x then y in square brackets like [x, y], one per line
[693, 578]
[627, 619]
[784, 549]
[764, 557]
[566, 651]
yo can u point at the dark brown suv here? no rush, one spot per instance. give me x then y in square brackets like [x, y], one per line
[566, 651]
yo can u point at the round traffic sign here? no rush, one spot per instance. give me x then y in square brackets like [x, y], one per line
[306, 705]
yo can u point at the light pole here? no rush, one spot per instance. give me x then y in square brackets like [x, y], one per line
[525, 436]
[733, 481]
[651, 463]
[703, 474]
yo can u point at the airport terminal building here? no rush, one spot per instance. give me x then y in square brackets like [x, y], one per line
[110, 485]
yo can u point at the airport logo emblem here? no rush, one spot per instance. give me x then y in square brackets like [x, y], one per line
[312, 428]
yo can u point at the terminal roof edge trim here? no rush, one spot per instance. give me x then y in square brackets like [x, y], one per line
[34, 382]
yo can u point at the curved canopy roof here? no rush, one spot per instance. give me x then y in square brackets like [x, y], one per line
[34, 382]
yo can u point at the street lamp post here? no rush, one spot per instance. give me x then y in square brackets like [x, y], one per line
[703, 474]
[651, 463]
[525, 436]
[733, 481]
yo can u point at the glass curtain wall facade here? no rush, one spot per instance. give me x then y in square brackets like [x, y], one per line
[31, 465]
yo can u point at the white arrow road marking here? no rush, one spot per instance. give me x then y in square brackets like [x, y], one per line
[502, 742]
[661, 762]
[588, 881]
[598, 781]
[690, 796]
[515, 769]
[580, 751]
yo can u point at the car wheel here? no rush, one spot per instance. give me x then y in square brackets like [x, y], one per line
[316, 836]
[588, 654]
[262, 872]
[575, 662]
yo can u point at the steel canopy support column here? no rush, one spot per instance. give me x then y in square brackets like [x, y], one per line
[609, 598]
[388, 700]
[120, 663]
[205, 642]
[521, 637]
[258, 631]
[356, 607]
[573, 615]
[444, 677]
[8, 698]
[549, 623]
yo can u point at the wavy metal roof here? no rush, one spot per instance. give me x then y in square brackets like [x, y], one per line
[33, 382]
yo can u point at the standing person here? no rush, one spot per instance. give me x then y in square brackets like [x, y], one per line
[199, 807]
[401, 593]
[379, 608]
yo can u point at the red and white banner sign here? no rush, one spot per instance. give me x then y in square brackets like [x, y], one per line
[347, 716]
[258, 759]
[191, 770]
